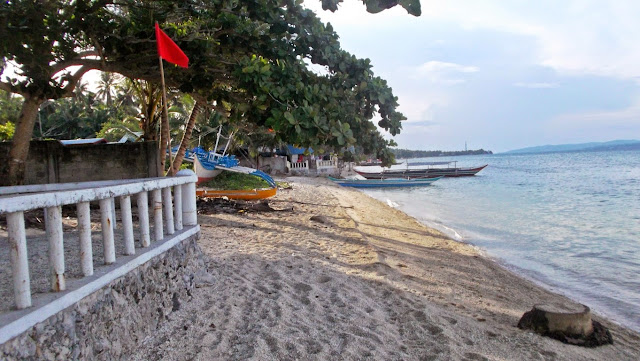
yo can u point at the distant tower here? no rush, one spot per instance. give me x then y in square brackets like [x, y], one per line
[465, 145]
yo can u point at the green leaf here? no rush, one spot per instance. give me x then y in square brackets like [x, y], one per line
[289, 117]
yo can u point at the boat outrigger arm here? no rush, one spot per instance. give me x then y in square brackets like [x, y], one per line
[250, 171]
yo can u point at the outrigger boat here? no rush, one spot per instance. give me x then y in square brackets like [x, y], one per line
[418, 170]
[245, 194]
[208, 165]
[384, 183]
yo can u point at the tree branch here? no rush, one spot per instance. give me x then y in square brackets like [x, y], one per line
[73, 80]
[10, 88]
[56, 68]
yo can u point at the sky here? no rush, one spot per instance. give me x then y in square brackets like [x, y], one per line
[503, 75]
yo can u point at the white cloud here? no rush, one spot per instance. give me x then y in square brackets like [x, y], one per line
[572, 36]
[537, 85]
[431, 67]
[444, 73]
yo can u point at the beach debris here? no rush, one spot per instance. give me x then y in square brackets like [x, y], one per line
[221, 205]
[567, 322]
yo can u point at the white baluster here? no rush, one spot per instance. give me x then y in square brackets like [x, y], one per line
[189, 211]
[84, 234]
[127, 225]
[143, 219]
[19, 261]
[168, 210]
[113, 212]
[156, 196]
[177, 206]
[53, 222]
[107, 231]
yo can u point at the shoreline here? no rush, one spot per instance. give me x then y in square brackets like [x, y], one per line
[345, 276]
[536, 277]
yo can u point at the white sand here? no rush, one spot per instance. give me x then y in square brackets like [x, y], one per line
[371, 283]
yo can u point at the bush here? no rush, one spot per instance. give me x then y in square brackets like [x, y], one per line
[6, 131]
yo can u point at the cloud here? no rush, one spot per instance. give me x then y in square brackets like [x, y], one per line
[444, 67]
[419, 123]
[537, 85]
[445, 73]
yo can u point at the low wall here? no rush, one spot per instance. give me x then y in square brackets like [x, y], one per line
[111, 322]
[275, 165]
[51, 162]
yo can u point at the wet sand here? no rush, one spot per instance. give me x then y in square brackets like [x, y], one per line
[344, 276]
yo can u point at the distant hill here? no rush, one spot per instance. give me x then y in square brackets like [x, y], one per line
[593, 146]
[408, 154]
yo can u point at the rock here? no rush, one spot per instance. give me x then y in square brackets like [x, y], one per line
[566, 322]
[320, 219]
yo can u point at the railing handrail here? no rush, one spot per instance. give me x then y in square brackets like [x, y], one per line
[25, 202]
[54, 187]
[166, 217]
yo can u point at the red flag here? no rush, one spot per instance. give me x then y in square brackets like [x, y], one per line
[169, 51]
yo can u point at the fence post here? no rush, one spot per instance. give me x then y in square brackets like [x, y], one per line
[168, 210]
[189, 210]
[113, 213]
[19, 261]
[107, 231]
[53, 224]
[143, 218]
[156, 197]
[127, 225]
[177, 207]
[84, 234]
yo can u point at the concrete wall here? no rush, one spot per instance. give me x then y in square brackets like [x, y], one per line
[110, 323]
[275, 165]
[51, 162]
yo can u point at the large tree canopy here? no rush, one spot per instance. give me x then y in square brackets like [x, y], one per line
[249, 58]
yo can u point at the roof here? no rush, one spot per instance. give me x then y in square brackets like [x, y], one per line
[72, 142]
[293, 150]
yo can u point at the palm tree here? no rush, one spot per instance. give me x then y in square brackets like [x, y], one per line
[107, 87]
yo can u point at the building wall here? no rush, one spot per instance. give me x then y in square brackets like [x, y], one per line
[275, 165]
[51, 162]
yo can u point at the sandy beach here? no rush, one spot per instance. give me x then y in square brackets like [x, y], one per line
[338, 275]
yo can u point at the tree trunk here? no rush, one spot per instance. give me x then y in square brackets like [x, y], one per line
[186, 137]
[21, 140]
[567, 322]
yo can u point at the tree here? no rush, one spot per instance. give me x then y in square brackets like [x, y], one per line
[247, 53]
[107, 87]
[376, 6]
[37, 39]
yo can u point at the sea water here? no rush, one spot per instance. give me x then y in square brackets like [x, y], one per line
[569, 221]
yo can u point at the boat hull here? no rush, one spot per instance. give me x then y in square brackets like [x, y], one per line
[244, 194]
[384, 183]
[204, 174]
[421, 173]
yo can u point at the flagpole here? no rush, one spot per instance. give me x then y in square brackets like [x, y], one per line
[165, 136]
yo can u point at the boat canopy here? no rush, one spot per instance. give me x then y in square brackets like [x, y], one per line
[431, 163]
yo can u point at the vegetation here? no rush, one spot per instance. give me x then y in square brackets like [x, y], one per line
[248, 63]
[230, 180]
[407, 154]
[6, 131]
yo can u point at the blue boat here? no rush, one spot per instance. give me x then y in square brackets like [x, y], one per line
[209, 166]
[381, 183]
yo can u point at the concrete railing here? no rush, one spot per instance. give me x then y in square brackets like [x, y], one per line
[169, 214]
[298, 165]
[327, 164]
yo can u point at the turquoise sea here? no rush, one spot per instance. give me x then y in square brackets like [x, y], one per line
[568, 221]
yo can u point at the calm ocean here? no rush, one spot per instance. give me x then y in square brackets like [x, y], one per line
[569, 221]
